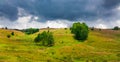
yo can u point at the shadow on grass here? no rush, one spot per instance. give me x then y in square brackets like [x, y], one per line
[80, 40]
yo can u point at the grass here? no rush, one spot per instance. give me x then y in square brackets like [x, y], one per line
[101, 46]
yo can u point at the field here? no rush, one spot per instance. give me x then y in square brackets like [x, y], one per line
[101, 46]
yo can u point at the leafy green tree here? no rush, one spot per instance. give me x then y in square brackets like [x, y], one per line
[92, 28]
[31, 30]
[80, 30]
[50, 39]
[6, 28]
[116, 28]
[8, 36]
[45, 38]
[12, 34]
[37, 39]
[65, 28]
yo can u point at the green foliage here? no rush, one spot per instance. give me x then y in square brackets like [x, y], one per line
[8, 36]
[6, 28]
[46, 38]
[12, 34]
[80, 30]
[31, 30]
[92, 28]
[100, 46]
[116, 28]
[100, 29]
[65, 28]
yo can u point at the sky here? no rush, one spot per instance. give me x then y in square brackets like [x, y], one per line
[22, 14]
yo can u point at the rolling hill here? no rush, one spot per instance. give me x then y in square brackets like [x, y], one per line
[101, 46]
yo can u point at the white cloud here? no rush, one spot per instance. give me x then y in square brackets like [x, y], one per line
[57, 24]
[27, 22]
[1, 26]
[118, 8]
[24, 20]
[101, 26]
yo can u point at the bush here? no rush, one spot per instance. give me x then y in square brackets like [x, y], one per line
[45, 38]
[80, 30]
[65, 28]
[8, 36]
[100, 29]
[31, 30]
[116, 28]
[92, 28]
[12, 34]
[6, 28]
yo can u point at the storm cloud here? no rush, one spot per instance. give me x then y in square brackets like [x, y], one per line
[70, 10]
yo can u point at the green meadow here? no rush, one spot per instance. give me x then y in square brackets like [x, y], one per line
[100, 46]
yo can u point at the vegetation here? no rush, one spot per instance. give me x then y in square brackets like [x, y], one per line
[80, 30]
[100, 46]
[8, 36]
[12, 34]
[116, 28]
[65, 28]
[6, 28]
[46, 38]
[92, 28]
[31, 30]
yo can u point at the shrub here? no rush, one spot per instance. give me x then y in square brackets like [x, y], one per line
[65, 28]
[46, 38]
[92, 28]
[116, 28]
[100, 29]
[6, 28]
[12, 34]
[8, 36]
[37, 39]
[31, 30]
[80, 30]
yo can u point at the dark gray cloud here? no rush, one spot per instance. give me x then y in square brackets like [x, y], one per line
[59, 9]
[109, 4]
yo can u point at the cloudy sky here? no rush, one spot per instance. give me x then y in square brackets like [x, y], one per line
[23, 14]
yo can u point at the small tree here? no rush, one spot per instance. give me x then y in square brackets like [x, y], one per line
[80, 30]
[46, 39]
[8, 36]
[50, 40]
[116, 28]
[48, 29]
[100, 29]
[12, 34]
[92, 28]
[6, 28]
[65, 28]
[31, 30]
[37, 39]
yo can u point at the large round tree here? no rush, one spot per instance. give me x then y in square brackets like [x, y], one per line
[80, 31]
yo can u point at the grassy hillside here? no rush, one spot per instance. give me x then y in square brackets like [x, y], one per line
[101, 46]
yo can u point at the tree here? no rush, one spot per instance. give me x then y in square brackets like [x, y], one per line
[12, 34]
[45, 38]
[8, 36]
[80, 31]
[31, 30]
[65, 28]
[116, 28]
[6, 28]
[92, 28]
[50, 39]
